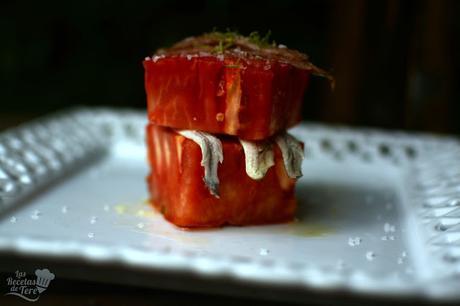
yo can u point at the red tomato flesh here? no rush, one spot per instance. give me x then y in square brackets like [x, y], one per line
[177, 189]
[252, 99]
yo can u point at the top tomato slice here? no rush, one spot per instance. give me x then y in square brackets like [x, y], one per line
[252, 99]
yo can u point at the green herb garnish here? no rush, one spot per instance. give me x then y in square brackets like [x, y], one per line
[228, 39]
[261, 41]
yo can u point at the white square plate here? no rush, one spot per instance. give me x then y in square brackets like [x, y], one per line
[379, 214]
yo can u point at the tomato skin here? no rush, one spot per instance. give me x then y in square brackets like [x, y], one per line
[252, 99]
[178, 191]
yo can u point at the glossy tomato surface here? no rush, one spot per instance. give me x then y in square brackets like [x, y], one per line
[252, 99]
[177, 188]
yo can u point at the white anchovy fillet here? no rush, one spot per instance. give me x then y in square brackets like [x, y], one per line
[293, 154]
[259, 158]
[211, 155]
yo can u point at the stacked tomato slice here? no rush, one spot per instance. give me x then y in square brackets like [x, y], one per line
[246, 92]
[178, 191]
[252, 99]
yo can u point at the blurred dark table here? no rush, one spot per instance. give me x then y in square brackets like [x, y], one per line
[82, 293]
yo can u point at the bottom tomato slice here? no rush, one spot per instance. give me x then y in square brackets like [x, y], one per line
[178, 191]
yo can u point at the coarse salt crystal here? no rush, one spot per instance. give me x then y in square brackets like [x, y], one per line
[388, 228]
[354, 241]
[264, 252]
[370, 256]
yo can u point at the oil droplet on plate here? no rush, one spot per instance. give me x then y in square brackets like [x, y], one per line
[64, 209]
[307, 230]
[120, 209]
[90, 235]
[13, 219]
[93, 220]
[140, 225]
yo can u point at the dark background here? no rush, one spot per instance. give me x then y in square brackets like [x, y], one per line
[395, 62]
